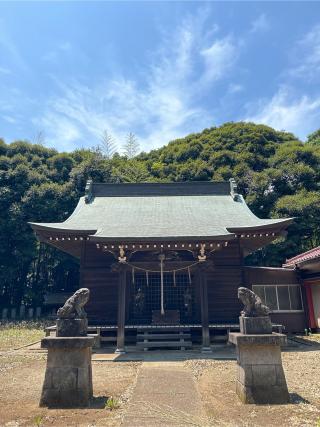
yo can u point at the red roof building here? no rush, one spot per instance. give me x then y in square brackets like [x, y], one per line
[308, 265]
[305, 256]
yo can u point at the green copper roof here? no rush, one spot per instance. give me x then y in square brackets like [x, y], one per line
[161, 211]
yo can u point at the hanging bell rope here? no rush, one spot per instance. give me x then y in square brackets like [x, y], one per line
[189, 275]
[133, 275]
[174, 278]
[147, 278]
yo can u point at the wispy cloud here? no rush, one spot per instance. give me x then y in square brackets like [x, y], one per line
[54, 55]
[66, 133]
[9, 47]
[287, 111]
[307, 55]
[235, 88]
[9, 119]
[261, 24]
[218, 58]
[293, 107]
[164, 107]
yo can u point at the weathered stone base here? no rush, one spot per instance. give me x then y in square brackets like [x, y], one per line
[255, 325]
[72, 327]
[68, 377]
[260, 375]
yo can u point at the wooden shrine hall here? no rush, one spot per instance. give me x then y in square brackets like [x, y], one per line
[167, 258]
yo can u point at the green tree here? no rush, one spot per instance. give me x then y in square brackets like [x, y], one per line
[314, 138]
[107, 146]
[131, 146]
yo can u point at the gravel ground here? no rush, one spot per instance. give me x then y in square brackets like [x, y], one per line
[21, 378]
[216, 383]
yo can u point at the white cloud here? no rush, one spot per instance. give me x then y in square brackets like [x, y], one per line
[261, 24]
[307, 55]
[66, 133]
[165, 107]
[291, 108]
[285, 111]
[218, 58]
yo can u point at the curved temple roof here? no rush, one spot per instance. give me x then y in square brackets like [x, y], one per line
[156, 211]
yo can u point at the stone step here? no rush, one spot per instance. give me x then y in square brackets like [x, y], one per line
[108, 339]
[164, 344]
[167, 329]
[160, 336]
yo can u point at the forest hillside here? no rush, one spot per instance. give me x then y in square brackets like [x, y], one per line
[278, 175]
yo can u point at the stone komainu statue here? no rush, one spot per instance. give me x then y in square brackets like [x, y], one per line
[73, 307]
[253, 306]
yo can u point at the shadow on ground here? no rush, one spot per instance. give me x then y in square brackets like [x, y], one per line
[98, 402]
[295, 398]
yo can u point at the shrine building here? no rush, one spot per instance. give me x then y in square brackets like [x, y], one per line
[168, 258]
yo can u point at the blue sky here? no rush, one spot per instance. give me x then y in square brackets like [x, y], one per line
[158, 69]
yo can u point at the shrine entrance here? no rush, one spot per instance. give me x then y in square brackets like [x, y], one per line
[145, 299]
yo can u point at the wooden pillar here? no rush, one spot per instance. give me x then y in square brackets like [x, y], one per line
[82, 263]
[204, 308]
[310, 307]
[121, 308]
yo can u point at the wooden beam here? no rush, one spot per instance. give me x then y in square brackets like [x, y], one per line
[121, 308]
[132, 247]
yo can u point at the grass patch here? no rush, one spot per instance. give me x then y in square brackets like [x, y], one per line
[37, 421]
[17, 334]
[112, 403]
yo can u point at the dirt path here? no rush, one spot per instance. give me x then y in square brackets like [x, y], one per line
[165, 395]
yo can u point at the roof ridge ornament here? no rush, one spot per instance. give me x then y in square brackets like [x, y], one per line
[234, 190]
[88, 196]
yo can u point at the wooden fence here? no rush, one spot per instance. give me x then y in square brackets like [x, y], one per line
[26, 313]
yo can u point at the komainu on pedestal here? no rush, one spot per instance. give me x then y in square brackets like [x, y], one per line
[72, 319]
[260, 375]
[68, 377]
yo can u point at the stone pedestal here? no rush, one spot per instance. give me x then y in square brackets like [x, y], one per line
[255, 325]
[68, 377]
[72, 327]
[260, 376]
